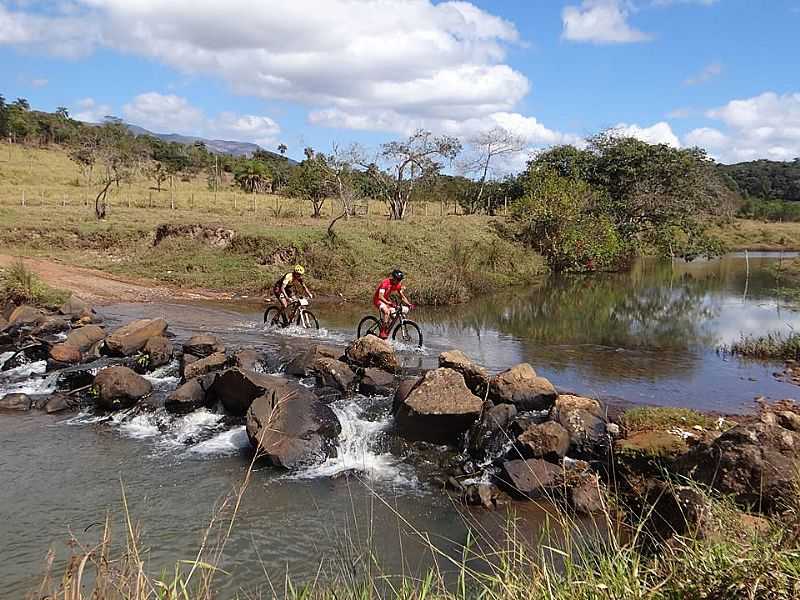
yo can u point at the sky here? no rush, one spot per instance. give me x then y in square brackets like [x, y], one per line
[723, 75]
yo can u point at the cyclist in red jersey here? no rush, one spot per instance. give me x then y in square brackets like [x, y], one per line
[383, 302]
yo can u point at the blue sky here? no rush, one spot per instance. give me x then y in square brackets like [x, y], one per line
[721, 74]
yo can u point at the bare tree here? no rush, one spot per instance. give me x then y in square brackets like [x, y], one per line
[485, 147]
[409, 164]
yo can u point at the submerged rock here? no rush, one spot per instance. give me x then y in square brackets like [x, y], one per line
[439, 408]
[203, 345]
[372, 351]
[59, 402]
[375, 382]
[475, 376]
[521, 387]
[16, 402]
[190, 396]
[160, 350]
[489, 437]
[120, 387]
[130, 338]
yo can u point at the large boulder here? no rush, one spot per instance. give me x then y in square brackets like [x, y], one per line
[439, 408]
[403, 390]
[529, 479]
[756, 463]
[66, 354]
[335, 374]
[214, 362]
[236, 389]
[159, 349]
[16, 402]
[372, 351]
[75, 308]
[291, 431]
[548, 440]
[59, 402]
[203, 345]
[120, 387]
[191, 395]
[375, 382]
[521, 387]
[303, 365]
[489, 437]
[50, 326]
[25, 315]
[85, 337]
[475, 376]
[584, 419]
[131, 338]
[250, 360]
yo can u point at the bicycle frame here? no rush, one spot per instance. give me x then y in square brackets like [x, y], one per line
[296, 306]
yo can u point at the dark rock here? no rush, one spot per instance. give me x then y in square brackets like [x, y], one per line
[3, 323]
[236, 389]
[372, 351]
[16, 402]
[335, 374]
[50, 326]
[489, 437]
[756, 463]
[403, 390]
[304, 363]
[291, 431]
[249, 360]
[85, 337]
[26, 315]
[675, 510]
[521, 387]
[584, 419]
[120, 387]
[66, 354]
[475, 376]
[439, 409]
[526, 420]
[586, 497]
[549, 441]
[529, 479]
[214, 362]
[58, 402]
[788, 420]
[76, 308]
[203, 345]
[375, 382]
[487, 495]
[190, 396]
[159, 349]
[130, 338]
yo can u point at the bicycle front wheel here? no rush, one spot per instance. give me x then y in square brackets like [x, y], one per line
[369, 326]
[307, 319]
[272, 316]
[408, 332]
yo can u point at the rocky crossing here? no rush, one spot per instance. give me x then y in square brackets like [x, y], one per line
[494, 438]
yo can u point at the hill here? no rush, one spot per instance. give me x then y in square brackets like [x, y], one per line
[765, 179]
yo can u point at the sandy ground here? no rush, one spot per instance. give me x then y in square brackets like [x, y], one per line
[101, 288]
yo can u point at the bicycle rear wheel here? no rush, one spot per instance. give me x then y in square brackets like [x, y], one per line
[369, 326]
[272, 316]
[307, 319]
[408, 332]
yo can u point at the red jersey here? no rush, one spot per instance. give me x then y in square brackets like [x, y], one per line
[388, 288]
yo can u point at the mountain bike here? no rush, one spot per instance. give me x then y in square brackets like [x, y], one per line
[295, 313]
[403, 330]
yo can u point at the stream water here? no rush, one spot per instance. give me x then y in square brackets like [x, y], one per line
[647, 336]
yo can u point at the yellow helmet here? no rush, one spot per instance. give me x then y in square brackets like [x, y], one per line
[299, 270]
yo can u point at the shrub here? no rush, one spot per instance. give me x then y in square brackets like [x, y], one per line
[20, 285]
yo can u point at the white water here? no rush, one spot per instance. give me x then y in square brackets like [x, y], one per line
[27, 379]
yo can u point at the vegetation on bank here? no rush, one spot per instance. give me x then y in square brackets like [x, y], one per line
[19, 285]
[773, 345]
[778, 180]
[661, 418]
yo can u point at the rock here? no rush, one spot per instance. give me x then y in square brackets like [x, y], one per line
[66, 354]
[333, 373]
[303, 364]
[487, 495]
[214, 362]
[249, 360]
[475, 376]
[756, 463]
[85, 337]
[675, 510]
[549, 441]
[3, 323]
[16, 402]
[190, 396]
[236, 389]
[375, 382]
[130, 338]
[372, 351]
[291, 431]
[58, 402]
[489, 437]
[586, 497]
[652, 444]
[120, 387]
[25, 315]
[529, 479]
[50, 326]
[159, 349]
[521, 387]
[584, 419]
[203, 345]
[788, 420]
[403, 390]
[75, 308]
[439, 409]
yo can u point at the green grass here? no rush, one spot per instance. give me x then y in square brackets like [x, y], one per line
[19, 285]
[664, 419]
[773, 345]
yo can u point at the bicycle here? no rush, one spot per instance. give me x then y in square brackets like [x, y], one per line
[300, 315]
[403, 330]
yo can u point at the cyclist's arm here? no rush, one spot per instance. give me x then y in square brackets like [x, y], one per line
[308, 293]
[405, 300]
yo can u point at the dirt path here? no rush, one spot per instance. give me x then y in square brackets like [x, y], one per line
[101, 288]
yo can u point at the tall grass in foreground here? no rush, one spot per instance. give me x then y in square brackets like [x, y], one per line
[20, 285]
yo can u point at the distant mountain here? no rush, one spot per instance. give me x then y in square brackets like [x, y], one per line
[215, 146]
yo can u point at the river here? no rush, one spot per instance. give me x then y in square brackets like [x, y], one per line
[647, 336]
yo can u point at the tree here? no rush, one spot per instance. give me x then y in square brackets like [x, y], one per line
[20, 122]
[157, 172]
[3, 117]
[409, 164]
[252, 176]
[62, 112]
[282, 148]
[311, 181]
[486, 147]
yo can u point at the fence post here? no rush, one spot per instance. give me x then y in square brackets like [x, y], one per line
[23, 197]
[41, 196]
[64, 203]
[441, 207]
[234, 200]
[191, 201]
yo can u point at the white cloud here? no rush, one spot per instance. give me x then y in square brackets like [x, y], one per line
[708, 73]
[261, 130]
[600, 22]
[39, 83]
[89, 111]
[660, 133]
[765, 126]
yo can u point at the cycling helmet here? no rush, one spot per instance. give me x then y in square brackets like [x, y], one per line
[299, 270]
[398, 275]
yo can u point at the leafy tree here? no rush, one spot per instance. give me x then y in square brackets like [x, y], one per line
[311, 181]
[252, 176]
[487, 147]
[764, 179]
[20, 122]
[282, 148]
[3, 117]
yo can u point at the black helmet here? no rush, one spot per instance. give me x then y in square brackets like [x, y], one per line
[398, 274]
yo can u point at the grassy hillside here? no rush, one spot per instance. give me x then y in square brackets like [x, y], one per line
[448, 258]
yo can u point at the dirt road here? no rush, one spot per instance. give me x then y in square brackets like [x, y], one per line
[101, 288]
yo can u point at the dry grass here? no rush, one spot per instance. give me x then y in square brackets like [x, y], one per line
[743, 234]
